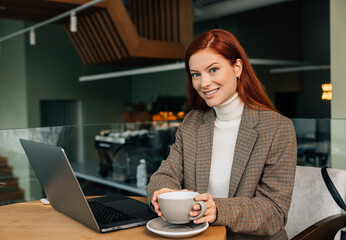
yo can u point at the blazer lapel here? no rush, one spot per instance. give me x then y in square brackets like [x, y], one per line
[204, 149]
[245, 141]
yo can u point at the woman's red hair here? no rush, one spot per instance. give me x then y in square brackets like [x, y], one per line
[250, 90]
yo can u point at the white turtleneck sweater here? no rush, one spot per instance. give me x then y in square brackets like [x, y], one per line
[228, 116]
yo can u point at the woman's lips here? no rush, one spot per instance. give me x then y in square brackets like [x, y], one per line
[211, 93]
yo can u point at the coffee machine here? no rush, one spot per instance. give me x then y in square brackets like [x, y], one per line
[120, 153]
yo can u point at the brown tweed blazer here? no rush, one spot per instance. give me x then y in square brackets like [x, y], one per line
[262, 174]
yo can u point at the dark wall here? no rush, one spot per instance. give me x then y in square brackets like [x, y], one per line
[297, 30]
[53, 68]
[316, 49]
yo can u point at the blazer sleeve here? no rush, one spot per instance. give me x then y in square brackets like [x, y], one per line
[170, 172]
[266, 212]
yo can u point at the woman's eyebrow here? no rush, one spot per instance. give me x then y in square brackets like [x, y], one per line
[211, 65]
[191, 70]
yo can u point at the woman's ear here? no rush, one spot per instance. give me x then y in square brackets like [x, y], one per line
[238, 67]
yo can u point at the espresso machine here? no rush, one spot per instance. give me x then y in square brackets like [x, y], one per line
[120, 153]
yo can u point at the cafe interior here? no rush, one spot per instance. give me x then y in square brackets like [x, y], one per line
[105, 80]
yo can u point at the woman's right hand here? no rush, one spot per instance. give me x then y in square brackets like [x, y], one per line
[155, 202]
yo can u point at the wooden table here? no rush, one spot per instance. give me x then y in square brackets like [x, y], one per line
[33, 220]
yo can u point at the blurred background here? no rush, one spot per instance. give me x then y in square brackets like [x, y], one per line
[113, 90]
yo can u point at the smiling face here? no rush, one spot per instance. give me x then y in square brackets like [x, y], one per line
[213, 76]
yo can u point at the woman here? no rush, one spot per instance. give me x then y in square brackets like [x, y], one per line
[232, 147]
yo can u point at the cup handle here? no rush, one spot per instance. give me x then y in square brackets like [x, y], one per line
[203, 210]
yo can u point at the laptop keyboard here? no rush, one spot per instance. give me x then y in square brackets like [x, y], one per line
[106, 215]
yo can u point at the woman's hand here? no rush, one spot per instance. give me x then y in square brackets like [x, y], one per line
[156, 204]
[211, 213]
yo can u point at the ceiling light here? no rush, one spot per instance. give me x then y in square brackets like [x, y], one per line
[327, 91]
[299, 68]
[51, 20]
[160, 68]
[327, 96]
[32, 37]
[327, 87]
[73, 22]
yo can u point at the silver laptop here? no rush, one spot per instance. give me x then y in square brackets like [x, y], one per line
[64, 193]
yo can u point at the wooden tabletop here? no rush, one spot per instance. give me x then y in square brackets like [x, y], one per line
[34, 220]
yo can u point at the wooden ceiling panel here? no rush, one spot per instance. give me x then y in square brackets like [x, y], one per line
[152, 30]
[99, 42]
[118, 44]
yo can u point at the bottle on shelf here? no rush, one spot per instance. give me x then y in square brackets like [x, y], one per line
[142, 174]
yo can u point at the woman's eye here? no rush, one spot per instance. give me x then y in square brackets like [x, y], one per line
[213, 70]
[194, 75]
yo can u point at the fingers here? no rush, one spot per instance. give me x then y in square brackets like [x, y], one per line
[197, 207]
[186, 190]
[210, 214]
[203, 197]
[206, 218]
[155, 202]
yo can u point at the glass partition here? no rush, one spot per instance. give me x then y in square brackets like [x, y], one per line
[313, 142]
[104, 157]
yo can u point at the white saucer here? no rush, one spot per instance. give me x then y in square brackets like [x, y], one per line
[165, 229]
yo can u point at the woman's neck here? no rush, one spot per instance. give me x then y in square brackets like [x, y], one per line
[230, 110]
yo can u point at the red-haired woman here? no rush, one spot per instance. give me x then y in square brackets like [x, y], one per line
[233, 147]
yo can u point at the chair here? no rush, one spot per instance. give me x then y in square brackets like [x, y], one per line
[314, 214]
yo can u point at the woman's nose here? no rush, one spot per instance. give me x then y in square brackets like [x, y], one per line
[205, 81]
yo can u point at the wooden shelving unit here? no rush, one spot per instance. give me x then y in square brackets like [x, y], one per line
[10, 192]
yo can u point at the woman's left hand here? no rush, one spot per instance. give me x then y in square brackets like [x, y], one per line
[210, 214]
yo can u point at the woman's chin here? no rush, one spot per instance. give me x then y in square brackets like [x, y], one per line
[211, 103]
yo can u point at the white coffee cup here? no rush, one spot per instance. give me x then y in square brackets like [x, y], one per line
[177, 205]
